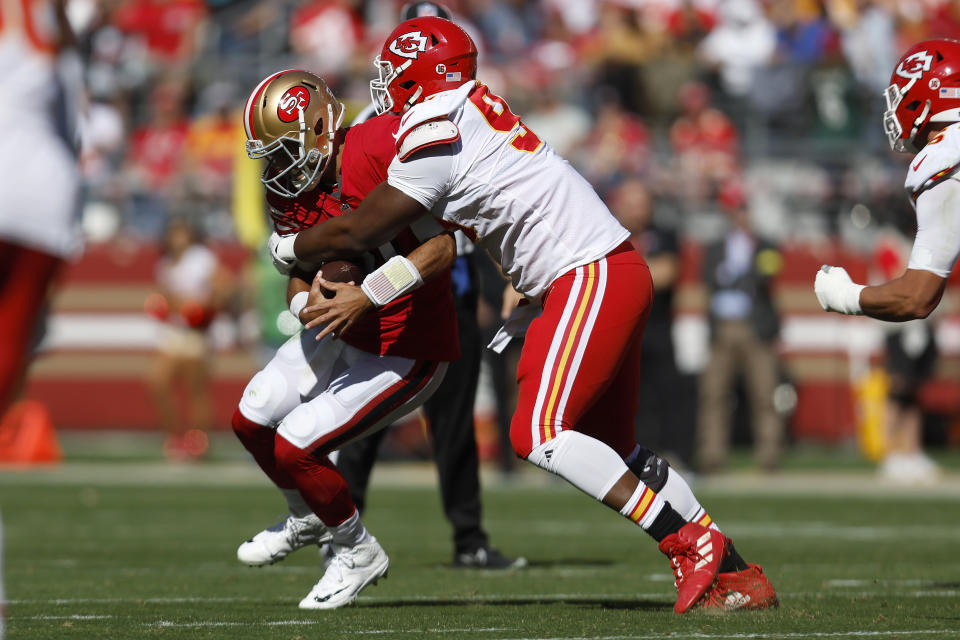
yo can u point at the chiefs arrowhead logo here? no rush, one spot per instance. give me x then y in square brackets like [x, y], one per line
[409, 45]
[295, 99]
[914, 65]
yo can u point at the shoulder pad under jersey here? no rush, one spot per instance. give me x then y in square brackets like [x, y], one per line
[435, 109]
[936, 161]
[428, 134]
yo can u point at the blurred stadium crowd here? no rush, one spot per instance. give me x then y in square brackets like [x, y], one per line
[707, 100]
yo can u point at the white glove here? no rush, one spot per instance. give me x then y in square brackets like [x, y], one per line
[281, 252]
[836, 291]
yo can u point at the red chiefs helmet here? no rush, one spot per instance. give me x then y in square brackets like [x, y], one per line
[924, 90]
[422, 56]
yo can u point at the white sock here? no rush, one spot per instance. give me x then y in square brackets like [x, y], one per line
[678, 493]
[350, 532]
[593, 467]
[295, 502]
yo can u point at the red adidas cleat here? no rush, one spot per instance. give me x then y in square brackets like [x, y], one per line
[695, 554]
[746, 589]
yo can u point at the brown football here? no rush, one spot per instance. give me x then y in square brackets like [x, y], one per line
[342, 271]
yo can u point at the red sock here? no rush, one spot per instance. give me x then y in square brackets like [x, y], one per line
[259, 441]
[319, 481]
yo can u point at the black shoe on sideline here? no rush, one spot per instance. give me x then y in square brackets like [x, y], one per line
[487, 558]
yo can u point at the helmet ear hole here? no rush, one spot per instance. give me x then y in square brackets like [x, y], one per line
[913, 105]
[407, 85]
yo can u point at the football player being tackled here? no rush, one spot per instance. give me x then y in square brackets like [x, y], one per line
[464, 158]
[316, 395]
[923, 109]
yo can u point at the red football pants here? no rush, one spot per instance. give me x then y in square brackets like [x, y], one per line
[25, 276]
[580, 364]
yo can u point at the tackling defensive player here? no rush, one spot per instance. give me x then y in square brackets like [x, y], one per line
[923, 109]
[316, 395]
[465, 158]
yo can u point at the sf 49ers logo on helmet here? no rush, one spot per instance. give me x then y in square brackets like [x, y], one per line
[409, 45]
[913, 66]
[296, 99]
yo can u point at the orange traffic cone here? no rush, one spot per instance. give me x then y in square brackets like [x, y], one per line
[27, 435]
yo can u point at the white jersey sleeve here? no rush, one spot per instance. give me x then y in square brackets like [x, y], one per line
[937, 243]
[938, 160]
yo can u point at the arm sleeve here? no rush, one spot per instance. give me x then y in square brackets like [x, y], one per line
[937, 244]
[425, 177]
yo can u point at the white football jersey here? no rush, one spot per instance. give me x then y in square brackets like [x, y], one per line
[40, 184]
[506, 189]
[933, 184]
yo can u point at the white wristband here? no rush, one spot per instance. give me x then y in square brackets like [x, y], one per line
[284, 248]
[298, 302]
[851, 299]
[393, 279]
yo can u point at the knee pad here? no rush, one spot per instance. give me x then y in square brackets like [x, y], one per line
[308, 424]
[265, 398]
[652, 470]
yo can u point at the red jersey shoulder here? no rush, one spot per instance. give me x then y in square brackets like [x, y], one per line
[375, 137]
[367, 152]
[292, 215]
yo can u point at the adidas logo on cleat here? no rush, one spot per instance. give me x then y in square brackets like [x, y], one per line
[705, 550]
[736, 600]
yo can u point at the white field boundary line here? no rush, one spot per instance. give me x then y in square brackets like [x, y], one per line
[471, 599]
[167, 624]
[245, 475]
[76, 616]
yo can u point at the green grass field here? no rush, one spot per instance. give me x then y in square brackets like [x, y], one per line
[139, 551]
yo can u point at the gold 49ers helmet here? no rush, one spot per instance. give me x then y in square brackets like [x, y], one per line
[291, 119]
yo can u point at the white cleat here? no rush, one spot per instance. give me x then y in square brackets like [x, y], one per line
[277, 542]
[350, 570]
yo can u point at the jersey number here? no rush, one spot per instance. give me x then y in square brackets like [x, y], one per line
[500, 118]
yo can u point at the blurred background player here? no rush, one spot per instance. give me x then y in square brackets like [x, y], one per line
[911, 357]
[319, 394]
[664, 418]
[40, 185]
[193, 286]
[738, 271]
[449, 411]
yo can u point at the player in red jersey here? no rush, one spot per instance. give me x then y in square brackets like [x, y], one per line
[462, 156]
[318, 394]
